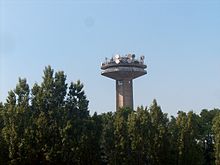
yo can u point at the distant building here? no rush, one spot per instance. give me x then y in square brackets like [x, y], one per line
[124, 69]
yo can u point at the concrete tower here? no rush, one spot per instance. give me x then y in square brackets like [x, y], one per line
[124, 69]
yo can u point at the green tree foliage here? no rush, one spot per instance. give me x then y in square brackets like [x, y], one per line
[50, 124]
[3, 145]
[139, 129]
[159, 140]
[206, 118]
[216, 130]
[173, 142]
[15, 118]
[122, 150]
[107, 138]
[189, 149]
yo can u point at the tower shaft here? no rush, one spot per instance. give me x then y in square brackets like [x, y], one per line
[124, 93]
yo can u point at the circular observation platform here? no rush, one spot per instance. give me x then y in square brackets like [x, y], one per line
[122, 68]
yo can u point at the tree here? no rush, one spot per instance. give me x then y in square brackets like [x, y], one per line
[16, 121]
[216, 130]
[159, 138]
[139, 129]
[189, 149]
[3, 144]
[75, 132]
[107, 138]
[46, 114]
[173, 134]
[122, 153]
[207, 135]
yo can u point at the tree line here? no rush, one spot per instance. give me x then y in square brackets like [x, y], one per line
[51, 124]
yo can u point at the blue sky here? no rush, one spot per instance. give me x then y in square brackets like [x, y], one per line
[180, 41]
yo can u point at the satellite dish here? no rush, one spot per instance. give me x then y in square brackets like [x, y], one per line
[117, 56]
[142, 57]
[129, 56]
[117, 61]
[129, 60]
[133, 56]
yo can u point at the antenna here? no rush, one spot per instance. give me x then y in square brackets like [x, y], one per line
[142, 59]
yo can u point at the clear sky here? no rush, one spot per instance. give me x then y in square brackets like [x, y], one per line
[179, 38]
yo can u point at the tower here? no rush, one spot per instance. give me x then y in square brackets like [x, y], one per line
[124, 69]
